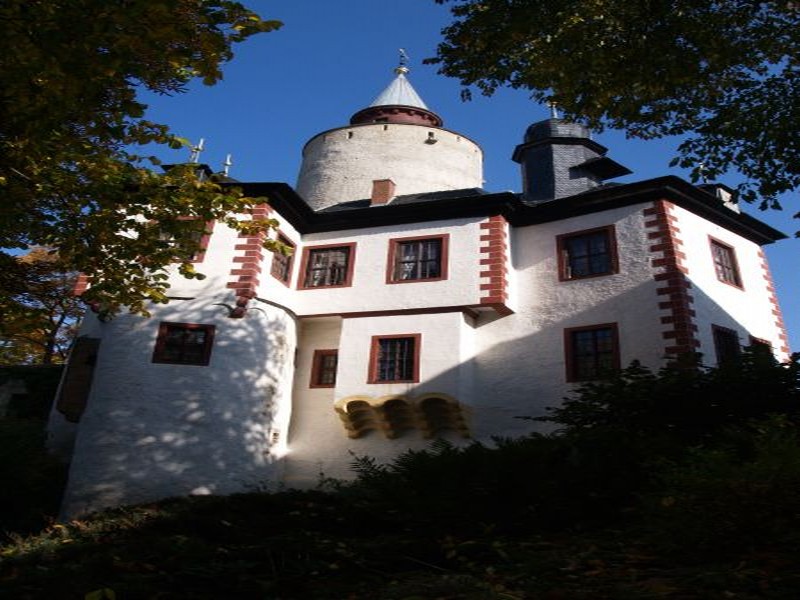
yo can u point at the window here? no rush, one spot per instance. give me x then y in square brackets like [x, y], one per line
[188, 239]
[725, 263]
[591, 351]
[394, 359]
[760, 343]
[281, 268]
[417, 259]
[328, 266]
[323, 368]
[726, 344]
[587, 253]
[183, 344]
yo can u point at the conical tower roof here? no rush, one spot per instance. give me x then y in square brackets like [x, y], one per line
[399, 92]
[398, 103]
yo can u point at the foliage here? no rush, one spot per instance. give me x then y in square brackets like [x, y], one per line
[530, 484]
[618, 504]
[41, 383]
[684, 400]
[33, 480]
[72, 172]
[40, 310]
[309, 546]
[745, 492]
[725, 73]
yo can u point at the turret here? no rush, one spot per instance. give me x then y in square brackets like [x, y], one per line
[395, 139]
[559, 159]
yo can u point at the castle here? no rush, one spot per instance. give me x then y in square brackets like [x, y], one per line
[415, 304]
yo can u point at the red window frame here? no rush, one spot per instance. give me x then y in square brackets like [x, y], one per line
[566, 258]
[308, 251]
[170, 350]
[322, 374]
[377, 359]
[395, 258]
[575, 351]
[281, 267]
[725, 264]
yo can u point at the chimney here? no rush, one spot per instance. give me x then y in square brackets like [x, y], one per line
[382, 191]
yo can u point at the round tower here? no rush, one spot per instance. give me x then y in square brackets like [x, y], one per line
[395, 138]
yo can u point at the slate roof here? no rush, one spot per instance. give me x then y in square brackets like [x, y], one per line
[408, 199]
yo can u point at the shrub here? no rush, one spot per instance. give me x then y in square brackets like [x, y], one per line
[32, 481]
[723, 498]
[684, 399]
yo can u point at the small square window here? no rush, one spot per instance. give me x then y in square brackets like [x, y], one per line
[281, 268]
[591, 352]
[725, 263]
[588, 253]
[726, 344]
[328, 266]
[188, 238]
[323, 368]
[394, 359]
[183, 344]
[417, 259]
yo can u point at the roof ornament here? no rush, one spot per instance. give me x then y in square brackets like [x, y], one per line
[226, 166]
[553, 109]
[701, 170]
[196, 150]
[401, 68]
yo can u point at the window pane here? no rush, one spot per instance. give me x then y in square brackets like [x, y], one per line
[327, 266]
[726, 344]
[395, 359]
[587, 254]
[725, 263]
[324, 368]
[593, 353]
[183, 344]
[418, 259]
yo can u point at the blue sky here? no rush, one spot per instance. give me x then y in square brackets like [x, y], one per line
[331, 59]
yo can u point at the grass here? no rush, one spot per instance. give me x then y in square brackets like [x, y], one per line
[314, 545]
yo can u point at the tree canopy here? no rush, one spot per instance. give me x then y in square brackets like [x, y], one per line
[74, 174]
[39, 311]
[724, 73]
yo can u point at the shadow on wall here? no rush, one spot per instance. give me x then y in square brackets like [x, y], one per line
[523, 376]
[155, 430]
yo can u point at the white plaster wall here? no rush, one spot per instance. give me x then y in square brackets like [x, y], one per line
[340, 165]
[747, 310]
[61, 433]
[156, 430]
[370, 292]
[216, 266]
[319, 442]
[520, 362]
[271, 288]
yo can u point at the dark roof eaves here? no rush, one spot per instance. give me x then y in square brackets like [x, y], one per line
[294, 209]
[668, 187]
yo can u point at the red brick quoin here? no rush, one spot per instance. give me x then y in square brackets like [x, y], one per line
[773, 299]
[246, 271]
[674, 285]
[493, 258]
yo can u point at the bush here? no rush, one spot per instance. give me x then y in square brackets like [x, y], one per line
[684, 399]
[536, 483]
[32, 481]
[723, 498]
